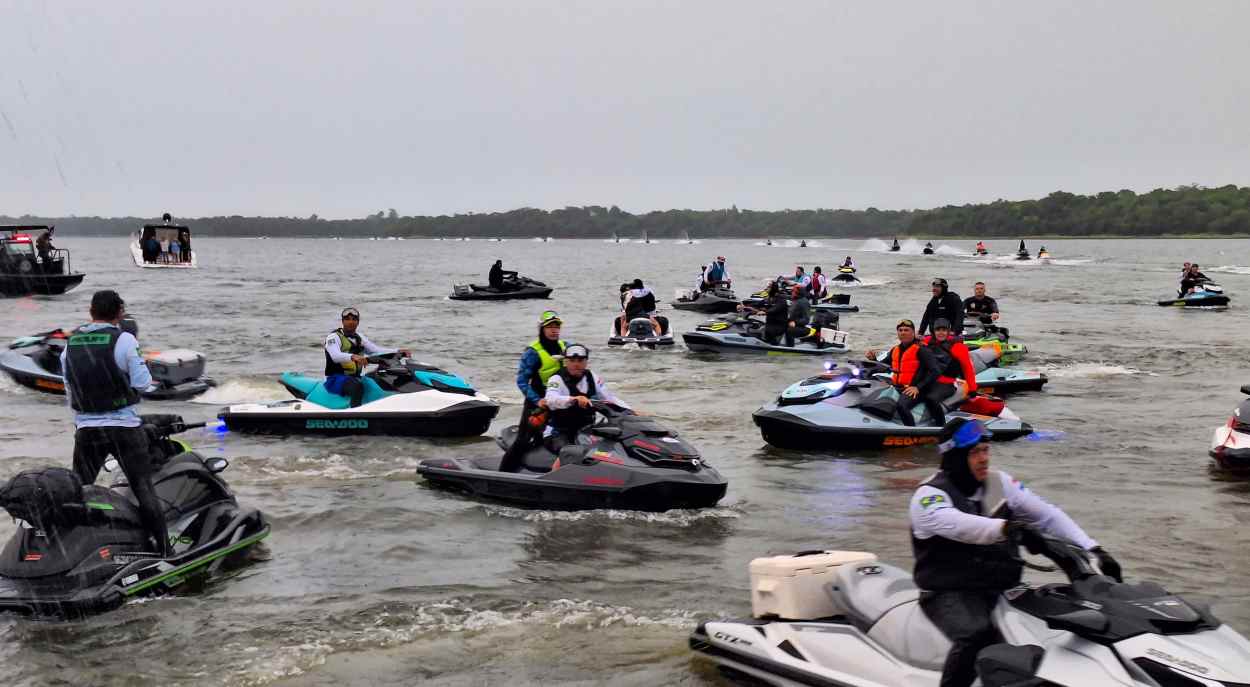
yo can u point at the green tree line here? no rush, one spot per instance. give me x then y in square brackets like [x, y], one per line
[1184, 210]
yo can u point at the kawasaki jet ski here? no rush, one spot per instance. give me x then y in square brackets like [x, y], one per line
[1230, 448]
[402, 397]
[641, 333]
[845, 277]
[623, 461]
[845, 618]
[520, 287]
[35, 363]
[82, 549]
[848, 407]
[744, 334]
[718, 300]
[1206, 294]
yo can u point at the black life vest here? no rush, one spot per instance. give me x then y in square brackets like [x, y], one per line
[568, 421]
[641, 303]
[981, 306]
[96, 384]
[945, 564]
[348, 343]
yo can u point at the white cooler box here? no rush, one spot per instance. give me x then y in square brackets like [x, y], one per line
[793, 587]
[175, 366]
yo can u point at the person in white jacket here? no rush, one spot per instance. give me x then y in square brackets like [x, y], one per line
[570, 396]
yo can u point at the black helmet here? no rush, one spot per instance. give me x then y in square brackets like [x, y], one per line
[938, 281]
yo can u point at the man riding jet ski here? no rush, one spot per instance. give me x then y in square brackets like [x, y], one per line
[82, 549]
[895, 247]
[35, 363]
[928, 248]
[1023, 253]
[787, 328]
[1197, 290]
[981, 249]
[846, 274]
[400, 397]
[624, 461]
[502, 285]
[638, 322]
[845, 618]
[1230, 448]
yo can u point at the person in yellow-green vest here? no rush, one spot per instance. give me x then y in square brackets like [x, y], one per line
[346, 350]
[540, 360]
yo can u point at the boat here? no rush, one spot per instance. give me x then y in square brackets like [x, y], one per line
[24, 272]
[520, 287]
[150, 256]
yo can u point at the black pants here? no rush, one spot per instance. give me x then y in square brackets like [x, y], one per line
[799, 330]
[354, 389]
[526, 437]
[931, 398]
[129, 445]
[964, 617]
[774, 332]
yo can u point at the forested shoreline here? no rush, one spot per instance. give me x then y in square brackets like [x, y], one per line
[1187, 210]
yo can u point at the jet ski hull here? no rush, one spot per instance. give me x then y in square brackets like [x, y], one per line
[35, 284]
[1230, 450]
[467, 418]
[708, 303]
[487, 295]
[651, 342]
[1005, 381]
[26, 372]
[721, 342]
[1213, 301]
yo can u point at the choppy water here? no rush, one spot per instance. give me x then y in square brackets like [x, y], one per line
[374, 578]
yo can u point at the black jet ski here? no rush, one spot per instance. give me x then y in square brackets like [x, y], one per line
[1230, 448]
[928, 249]
[402, 397]
[895, 248]
[836, 302]
[847, 619]
[521, 287]
[848, 407]
[718, 300]
[35, 363]
[82, 548]
[641, 333]
[845, 277]
[803, 244]
[1206, 294]
[744, 334]
[623, 461]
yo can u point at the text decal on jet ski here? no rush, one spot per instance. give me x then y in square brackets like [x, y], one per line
[336, 424]
[908, 441]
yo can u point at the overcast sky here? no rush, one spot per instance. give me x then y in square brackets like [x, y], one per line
[293, 107]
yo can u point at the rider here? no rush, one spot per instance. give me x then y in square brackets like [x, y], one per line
[569, 395]
[345, 351]
[848, 262]
[799, 315]
[895, 246]
[639, 301]
[800, 277]
[954, 362]
[539, 361]
[963, 561]
[716, 274]
[980, 305]
[776, 314]
[945, 304]
[914, 373]
[497, 276]
[981, 247]
[818, 289]
[103, 376]
[1191, 278]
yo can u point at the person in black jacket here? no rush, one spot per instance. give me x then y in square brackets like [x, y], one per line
[945, 304]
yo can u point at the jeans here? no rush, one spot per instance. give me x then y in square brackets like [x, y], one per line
[129, 445]
[964, 617]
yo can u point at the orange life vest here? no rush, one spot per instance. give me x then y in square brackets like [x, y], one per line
[905, 363]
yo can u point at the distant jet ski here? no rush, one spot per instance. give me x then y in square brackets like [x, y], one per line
[520, 287]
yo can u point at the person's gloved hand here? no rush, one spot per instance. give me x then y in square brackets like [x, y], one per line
[1110, 567]
[1026, 535]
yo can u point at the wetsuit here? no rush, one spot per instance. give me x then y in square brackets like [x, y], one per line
[963, 563]
[947, 306]
[913, 365]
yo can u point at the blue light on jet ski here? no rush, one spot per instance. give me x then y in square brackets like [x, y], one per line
[220, 427]
[1046, 435]
[836, 387]
[828, 365]
[855, 370]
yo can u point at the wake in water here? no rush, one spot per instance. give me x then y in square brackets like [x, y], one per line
[243, 390]
[681, 517]
[1230, 269]
[789, 243]
[1091, 370]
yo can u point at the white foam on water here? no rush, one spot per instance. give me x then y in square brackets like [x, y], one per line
[1229, 269]
[682, 517]
[1094, 370]
[334, 467]
[243, 391]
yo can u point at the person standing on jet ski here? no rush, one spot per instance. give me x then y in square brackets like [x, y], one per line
[497, 276]
[345, 350]
[980, 305]
[944, 304]
[776, 313]
[961, 518]
[639, 302]
[569, 395]
[104, 374]
[716, 274]
[849, 263]
[895, 246]
[539, 362]
[954, 362]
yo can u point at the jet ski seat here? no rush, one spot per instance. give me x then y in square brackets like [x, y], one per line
[314, 391]
[885, 600]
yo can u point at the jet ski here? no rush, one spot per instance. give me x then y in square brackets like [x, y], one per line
[803, 244]
[1206, 294]
[82, 549]
[846, 618]
[985, 333]
[623, 461]
[845, 277]
[719, 300]
[642, 334]
[895, 247]
[836, 302]
[521, 287]
[928, 249]
[1023, 255]
[1043, 254]
[990, 379]
[1230, 447]
[848, 407]
[402, 398]
[35, 363]
[738, 333]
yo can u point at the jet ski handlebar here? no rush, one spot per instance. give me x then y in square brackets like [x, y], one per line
[166, 425]
[1074, 561]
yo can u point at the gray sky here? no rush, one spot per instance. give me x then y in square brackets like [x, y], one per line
[345, 108]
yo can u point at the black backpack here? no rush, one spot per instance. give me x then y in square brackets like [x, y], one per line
[44, 498]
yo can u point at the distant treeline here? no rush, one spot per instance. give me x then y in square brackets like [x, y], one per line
[1184, 210]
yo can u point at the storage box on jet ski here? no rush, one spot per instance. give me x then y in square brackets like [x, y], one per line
[793, 586]
[175, 366]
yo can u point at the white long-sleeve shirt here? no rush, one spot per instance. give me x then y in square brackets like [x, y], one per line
[558, 397]
[337, 354]
[933, 514]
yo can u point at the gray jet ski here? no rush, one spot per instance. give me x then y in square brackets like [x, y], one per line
[623, 461]
[741, 334]
[642, 334]
[719, 300]
[848, 407]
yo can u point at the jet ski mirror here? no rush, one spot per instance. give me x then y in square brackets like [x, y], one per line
[216, 464]
[1080, 622]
